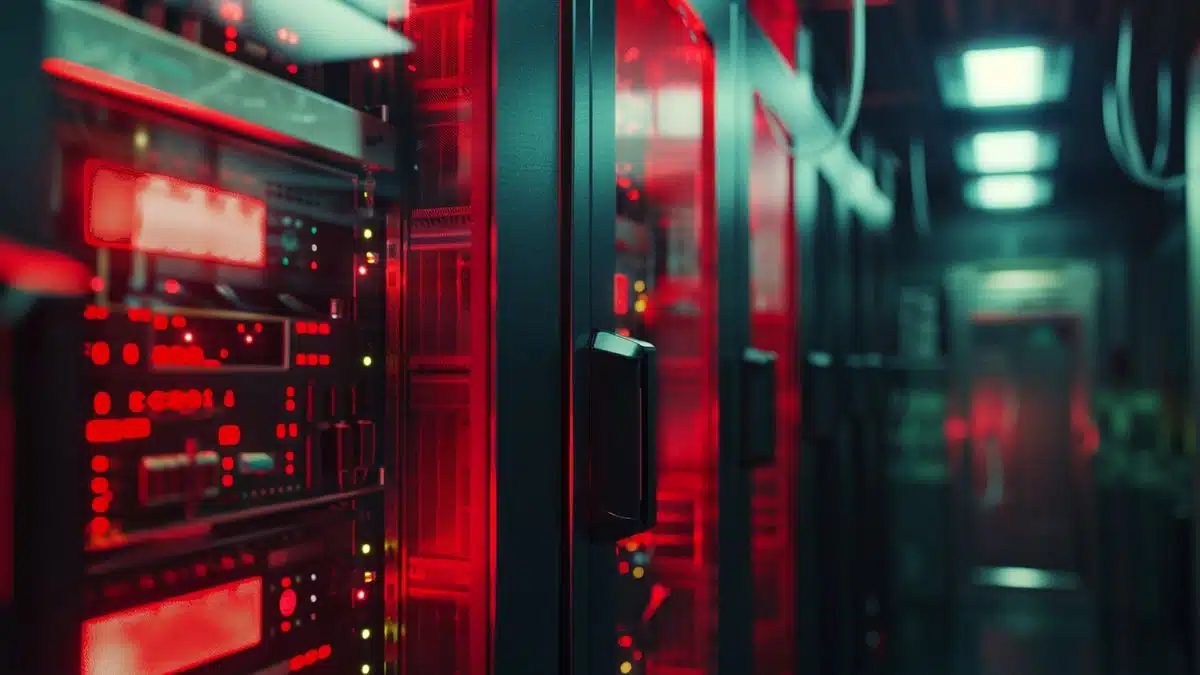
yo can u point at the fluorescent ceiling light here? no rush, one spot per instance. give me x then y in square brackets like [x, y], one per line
[1022, 280]
[1008, 76]
[1011, 192]
[1009, 151]
[1004, 74]
[1005, 151]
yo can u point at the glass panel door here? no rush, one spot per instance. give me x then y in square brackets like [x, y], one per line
[773, 328]
[664, 292]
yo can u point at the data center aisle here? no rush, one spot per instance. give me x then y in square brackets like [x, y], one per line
[1003, 632]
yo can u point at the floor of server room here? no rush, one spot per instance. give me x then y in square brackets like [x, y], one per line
[1022, 632]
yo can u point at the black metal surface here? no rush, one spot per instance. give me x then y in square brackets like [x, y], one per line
[727, 23]
[40, 627]
[759, 407]
[530, 350]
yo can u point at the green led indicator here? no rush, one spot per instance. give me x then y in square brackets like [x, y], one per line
[286, 261]
[313, 230]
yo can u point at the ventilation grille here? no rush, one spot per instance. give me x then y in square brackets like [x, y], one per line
[438, 308]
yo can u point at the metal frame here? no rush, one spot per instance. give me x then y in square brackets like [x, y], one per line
[1077, 294]
[1192, 233]
[196, 80]
[528, 370]
[40, 630]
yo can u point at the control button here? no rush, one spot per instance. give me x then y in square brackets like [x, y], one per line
[255, 462]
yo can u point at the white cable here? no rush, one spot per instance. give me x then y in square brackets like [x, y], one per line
[858, 80]
[1120, 126]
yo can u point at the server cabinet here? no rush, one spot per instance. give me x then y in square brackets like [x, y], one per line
[654, 147]
[362, 493]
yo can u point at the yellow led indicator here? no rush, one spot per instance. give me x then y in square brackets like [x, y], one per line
[365, 669]
[368, 577]
[141, 139]
[367, 361]
[367, 234]
[631, 546]
[639, 286]
[626, 666]
[639, 572]
[640, 305]
[366, 633]
[366, 548]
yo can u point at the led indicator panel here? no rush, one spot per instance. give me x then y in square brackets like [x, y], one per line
[211, 342]
[158, 214]
[177, 634]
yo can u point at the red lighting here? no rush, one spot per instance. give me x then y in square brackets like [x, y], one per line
[230, 46]
[293, 68]
[231, 32]
[360, 595]
[362, 270]
[164, 215]
[176, 634]
[620, 294]
[188, 337]
[376, 64]
[287, 603]
[231, 11]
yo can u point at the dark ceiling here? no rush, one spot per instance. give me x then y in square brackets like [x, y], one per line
[902, 100]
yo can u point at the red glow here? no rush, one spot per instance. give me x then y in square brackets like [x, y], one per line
[231, 11]
[376, 64]
[114, 431]
[287, 603]
[177, 634]
[292, 68]
[229, 434]
[620, 294]
[159, 214]
[38, 271]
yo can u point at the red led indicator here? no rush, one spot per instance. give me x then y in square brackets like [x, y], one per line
[287, 603]
[159, 214]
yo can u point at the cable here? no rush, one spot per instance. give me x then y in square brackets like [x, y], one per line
[1120, 125]
[920, 190]
[858, 80]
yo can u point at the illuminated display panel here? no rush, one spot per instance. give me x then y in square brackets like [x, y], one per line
[158, 214]
[177, 634]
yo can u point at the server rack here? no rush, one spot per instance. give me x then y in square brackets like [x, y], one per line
[450, 383]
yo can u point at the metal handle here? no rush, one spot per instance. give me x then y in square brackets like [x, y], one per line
[622, 405]
[759, 407]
